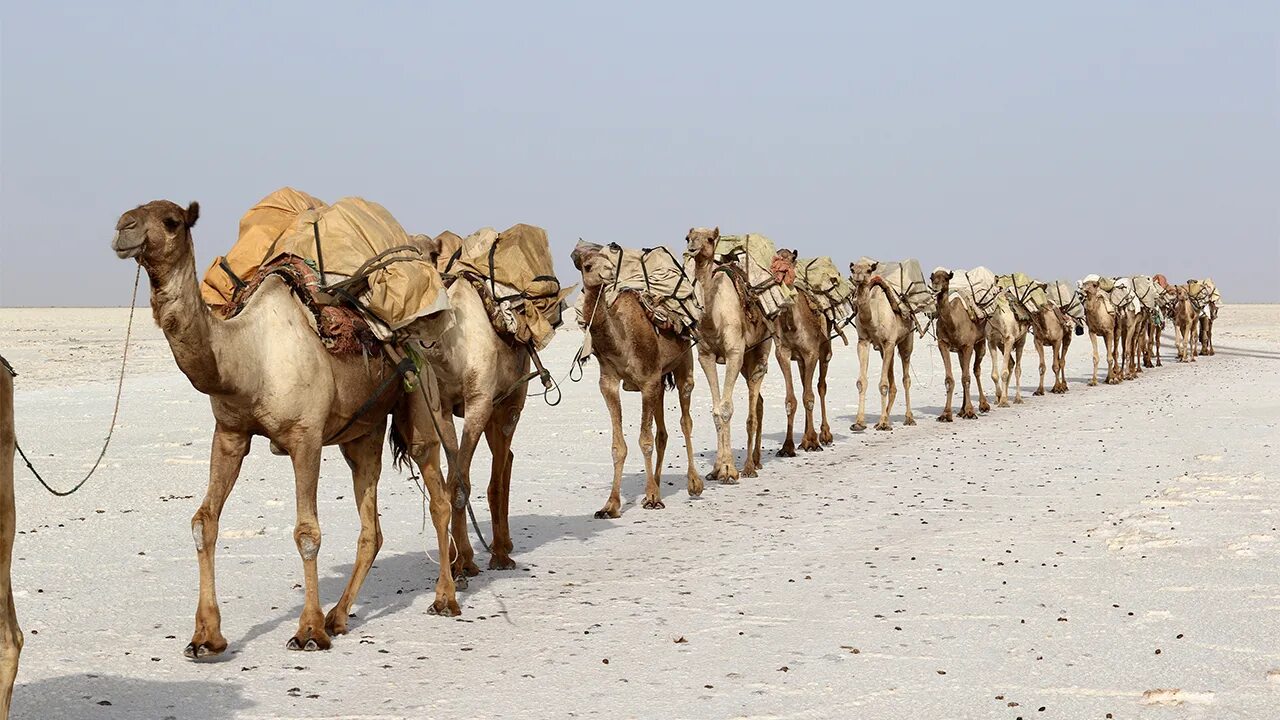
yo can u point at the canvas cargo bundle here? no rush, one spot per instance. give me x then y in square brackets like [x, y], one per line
[906, 278]
[1061, 293]
[821, 281]
[1027, 293]
[753, 255]
[1123, 296]
[260, 229]
[1203, 291]
[515, 269]
[656, 276]
[1150, 294]
[977, 288]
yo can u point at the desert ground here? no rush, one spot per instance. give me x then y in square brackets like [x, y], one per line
[1113, 552]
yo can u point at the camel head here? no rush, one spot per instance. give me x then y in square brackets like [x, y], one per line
[860, 272]
[157, 232]
[701, 243]
[940, 280]
[595, 269]
[429, 246]
[1090, 288]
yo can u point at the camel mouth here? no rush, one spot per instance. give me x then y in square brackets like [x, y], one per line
[125, 252]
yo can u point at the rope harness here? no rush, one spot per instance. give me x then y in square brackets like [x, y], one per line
[115, 412]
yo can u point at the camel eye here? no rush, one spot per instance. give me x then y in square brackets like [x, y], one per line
[171, 225]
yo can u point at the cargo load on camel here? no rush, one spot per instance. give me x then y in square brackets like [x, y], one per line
[911, 297]
[828, 290]
[1061, 294]
[350, 263]
[515, 276]
[977, 289]
[658, 279]
[749, 260]
[1028, 294]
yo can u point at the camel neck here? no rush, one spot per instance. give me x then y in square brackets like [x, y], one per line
[187, 323]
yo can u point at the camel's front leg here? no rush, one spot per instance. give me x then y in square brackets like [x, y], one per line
[364, 457]
[810, 441]
[886, 386]
[227, 453]
[651, 406]
[864, 358]
[1060, 362]
[824, 433]
[479, 409]
[684, 385]
[1156, 341]
[499, 433]
[1040, 351]
[966, 405]
[417, 430]
[757, 365]
[996, 357]
[904, 352]
[946, 415]
[305, 455]
[1113, 357]
[725, 468]
[609, 383]
[1017, 373]
[788, 448]
[1093, 340]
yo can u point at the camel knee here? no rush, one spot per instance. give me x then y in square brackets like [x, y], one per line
[201, 523]
[951, 384]
[307, 537]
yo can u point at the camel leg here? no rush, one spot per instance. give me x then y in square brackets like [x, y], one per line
[1060, 355]
[788, 448]
[979, 351]
[754, 370]
[808, 365]
[864, 358]
[886, 389]
[499, 434]
[364, 457]
[10, 633]
[904, 352]
[1040, 351]
[479, 410]
[726, 469]
[684, 384]
[305, 456]
[1017, 372]
[966, 358]
[1093, 340]
[824, 436]
[651, 405]
[413, 423]
[1156, 341]
[951, 381]
[228, 451]
[609, 383]
[1113, 376]
[995, 370]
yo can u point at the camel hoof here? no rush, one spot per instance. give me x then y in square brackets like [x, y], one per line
[1017, 401]
[202, 651]
[1093, 383]
[985, 408]
[858, 427]
[911, 420]
[945, 417]
[1002, 403]
[335, 623]
[308, 643]
[608, 513]
[826, 438]
[968, 415]
[654, 505]
[695, 485]
[501, 562]
[787, 451]
[812, 447]
[882, 426]
[749, 472]
[445, 608]
[1039, 393]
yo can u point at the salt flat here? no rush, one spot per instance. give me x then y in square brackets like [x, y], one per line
[1114, 550]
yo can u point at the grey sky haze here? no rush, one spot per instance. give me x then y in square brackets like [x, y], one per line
[1056, 139]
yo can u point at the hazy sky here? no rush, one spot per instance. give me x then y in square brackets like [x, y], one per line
[1117, 138]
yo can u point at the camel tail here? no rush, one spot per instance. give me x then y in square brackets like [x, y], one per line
[400, 459]
[669, 381]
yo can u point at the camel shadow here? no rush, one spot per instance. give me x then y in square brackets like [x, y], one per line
[98, 697]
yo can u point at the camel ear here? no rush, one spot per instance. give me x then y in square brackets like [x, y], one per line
[951, 274]
[715, 234]
[193, 213]
[874, 265]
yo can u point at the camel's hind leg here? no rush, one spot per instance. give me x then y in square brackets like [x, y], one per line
[1093, 340]
[413, 425]
[1018, 348]
[788, 448]
[651, 412]
[966, 404]
[754, 369]
[684, 386]
[364, 457]
[864, 359]
[999, 371]
[904, 352]
[479, 410]
[824, 434]
[887, 390]
[227, 453]
[1040, 352]
[1113, 352]
[609, 383]
[808, 365]
[304, 453]
[979, 351]
[499, 434]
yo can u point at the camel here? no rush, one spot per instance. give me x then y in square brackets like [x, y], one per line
[1101, 318]
[1007, 336]
[1150, 325]
[1204, 328]
[803, 335]
[1051, 328]
[10, 633]
[1184, 320]
[958, 332]
[267, 373]
[482, 379]
[881, 322]
[635, 354]
[1127, 328]
[739, 338]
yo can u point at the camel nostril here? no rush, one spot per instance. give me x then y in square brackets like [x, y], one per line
[127, 224]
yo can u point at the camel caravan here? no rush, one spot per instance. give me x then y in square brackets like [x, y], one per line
[330, 324]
